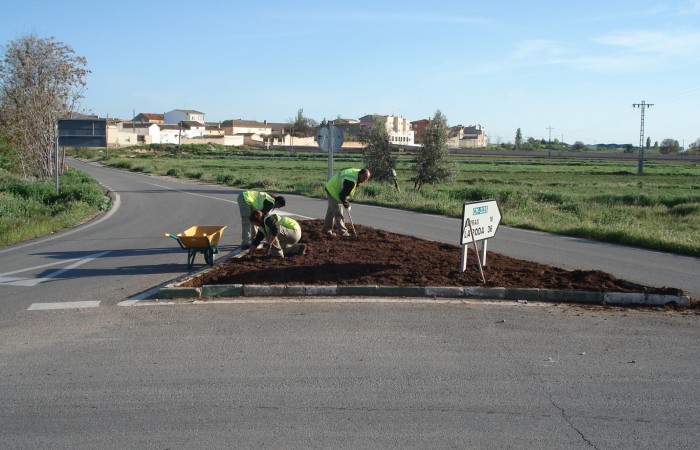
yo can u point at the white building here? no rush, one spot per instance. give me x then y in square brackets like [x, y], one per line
[183, 115]
[399, 128]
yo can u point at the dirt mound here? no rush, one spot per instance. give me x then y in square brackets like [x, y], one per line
[382, 258]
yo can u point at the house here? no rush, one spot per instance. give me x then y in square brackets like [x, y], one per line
[241, 126]
[253, 132]
[149, 117]
[183, 115]
[137, 133]
[399, 128]
[418, 127]
[472, 136]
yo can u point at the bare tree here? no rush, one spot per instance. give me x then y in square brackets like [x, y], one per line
[431, 165]
[41, 80]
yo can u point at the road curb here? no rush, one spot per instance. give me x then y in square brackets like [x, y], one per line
[470, 292]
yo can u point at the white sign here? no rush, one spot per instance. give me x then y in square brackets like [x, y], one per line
[330, 138]
[484, 218]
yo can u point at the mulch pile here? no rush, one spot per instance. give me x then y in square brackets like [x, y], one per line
[378, 257]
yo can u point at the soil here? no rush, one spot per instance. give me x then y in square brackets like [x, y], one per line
[377, 257]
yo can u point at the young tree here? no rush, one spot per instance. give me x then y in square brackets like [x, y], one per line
[431, 164]
[578, 146]
[378, 158]
[41, 80]
[518, 139]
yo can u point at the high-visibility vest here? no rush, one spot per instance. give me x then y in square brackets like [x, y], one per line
[256, 200]
[284, 221]
[335, 185]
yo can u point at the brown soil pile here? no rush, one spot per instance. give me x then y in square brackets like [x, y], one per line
[382, 258]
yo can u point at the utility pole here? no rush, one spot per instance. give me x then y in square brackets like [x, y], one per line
[640, 164]
[549, 145]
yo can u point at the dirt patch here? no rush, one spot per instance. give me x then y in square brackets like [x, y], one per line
[382, 258]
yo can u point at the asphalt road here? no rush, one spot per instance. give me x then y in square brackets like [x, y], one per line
[349, 375]
[324, 372]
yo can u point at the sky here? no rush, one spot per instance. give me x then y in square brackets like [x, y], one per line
[557, 70]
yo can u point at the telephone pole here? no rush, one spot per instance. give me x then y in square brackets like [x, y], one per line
[549, 146]
[640, 164]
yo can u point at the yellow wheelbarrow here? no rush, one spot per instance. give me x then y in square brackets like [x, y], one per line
[199, 239]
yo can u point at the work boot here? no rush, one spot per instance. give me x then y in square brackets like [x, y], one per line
[302, 250]
[329, 233]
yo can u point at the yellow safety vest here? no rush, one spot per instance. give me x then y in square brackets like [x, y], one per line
[335, 185]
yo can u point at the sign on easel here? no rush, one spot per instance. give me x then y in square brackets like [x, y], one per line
[480, 221]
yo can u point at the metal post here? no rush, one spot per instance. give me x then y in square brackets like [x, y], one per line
[55, 170]
[330, 151]
[640, 164]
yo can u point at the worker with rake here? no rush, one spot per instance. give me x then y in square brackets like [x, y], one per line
[249, 201]
[339, 190]
[280, 234]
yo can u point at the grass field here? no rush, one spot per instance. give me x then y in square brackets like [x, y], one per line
[33, 208]
[594, 198]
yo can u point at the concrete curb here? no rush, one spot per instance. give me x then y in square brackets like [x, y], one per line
[475, 292]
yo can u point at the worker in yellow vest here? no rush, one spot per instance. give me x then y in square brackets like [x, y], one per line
[339, 190]
[249, 201]
[281, 234]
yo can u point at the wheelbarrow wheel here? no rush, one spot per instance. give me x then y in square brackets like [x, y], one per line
[209, 256]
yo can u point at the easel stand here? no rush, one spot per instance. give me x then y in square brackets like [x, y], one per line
[480, 258]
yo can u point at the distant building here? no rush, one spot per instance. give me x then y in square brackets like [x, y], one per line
[472, 136]
[418, 127]
[399, 128]
[183, 115]
[150, 117]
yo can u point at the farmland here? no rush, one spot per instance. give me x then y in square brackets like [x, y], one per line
[598, 198]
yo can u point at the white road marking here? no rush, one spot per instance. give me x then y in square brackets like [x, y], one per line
[63, 305]
[13, 281]
[277, 211]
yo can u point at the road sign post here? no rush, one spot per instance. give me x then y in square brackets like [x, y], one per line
[330, 139]
[480, 221]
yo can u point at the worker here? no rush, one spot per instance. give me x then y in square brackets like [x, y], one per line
[280, 234]
[339, 190]
[249, 201]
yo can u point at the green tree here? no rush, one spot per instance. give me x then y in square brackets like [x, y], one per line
[648, 143]
[669, 146]
[378, 158]
[578, 146]
[41, 80]
[302, 126]
[518, 139]
[694, 146]
[431, 164]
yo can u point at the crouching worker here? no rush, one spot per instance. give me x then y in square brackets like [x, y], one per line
[280, 233]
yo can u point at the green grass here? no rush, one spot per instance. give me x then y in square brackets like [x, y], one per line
[593, 198]
[33, 208]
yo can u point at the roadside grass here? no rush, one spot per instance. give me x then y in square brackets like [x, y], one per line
[32, 208]
[591, 198]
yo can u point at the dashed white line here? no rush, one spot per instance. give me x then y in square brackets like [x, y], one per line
[63, 305]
